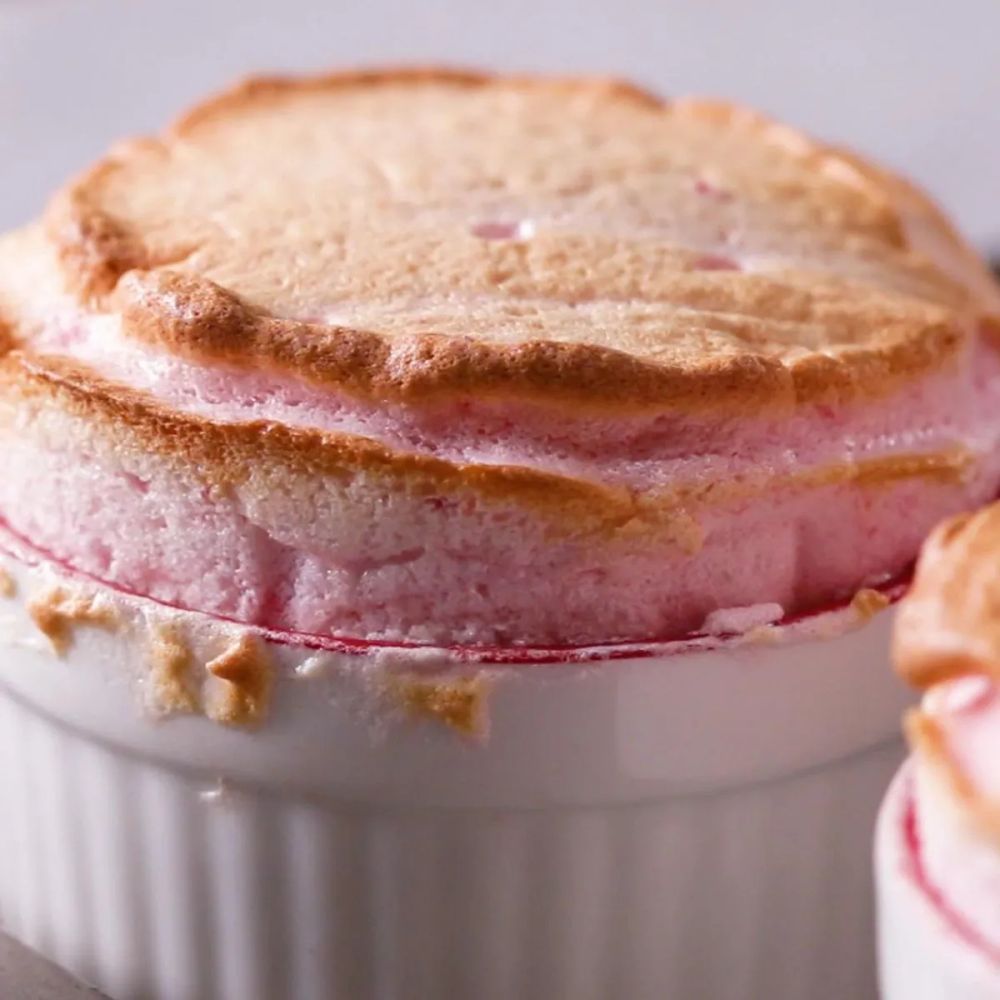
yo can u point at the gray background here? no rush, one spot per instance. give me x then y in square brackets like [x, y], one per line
[916, 82]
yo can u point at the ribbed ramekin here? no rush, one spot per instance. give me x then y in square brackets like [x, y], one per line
[684, 823]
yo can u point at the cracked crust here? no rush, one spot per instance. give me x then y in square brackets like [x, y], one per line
[328, 227]
[949, 624]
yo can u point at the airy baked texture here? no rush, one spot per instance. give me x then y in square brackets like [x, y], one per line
[439, 356]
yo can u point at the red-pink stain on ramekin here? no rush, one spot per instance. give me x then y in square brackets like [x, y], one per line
[916, 871]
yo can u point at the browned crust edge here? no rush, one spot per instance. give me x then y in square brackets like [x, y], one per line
[215, 326]
[225, 452]
[929, 742]
[947, 626]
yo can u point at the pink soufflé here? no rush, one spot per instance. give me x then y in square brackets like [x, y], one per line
[463, 391]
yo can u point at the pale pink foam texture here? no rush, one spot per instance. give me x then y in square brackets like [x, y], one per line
[449, 570]
[955, 926]
[959, 855]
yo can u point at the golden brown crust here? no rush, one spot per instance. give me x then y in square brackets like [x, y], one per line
[93, 249]
[580, 314]
[949, 623]
[213, 325]
[8, 585]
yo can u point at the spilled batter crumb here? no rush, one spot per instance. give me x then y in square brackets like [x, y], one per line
[763, 634]
[244, 670]
[58, 611]
[459, 702]
[170, 686]
[868, 603]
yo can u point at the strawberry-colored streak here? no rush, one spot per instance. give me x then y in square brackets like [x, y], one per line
[709, 189]
[716, 262]
[916, 871]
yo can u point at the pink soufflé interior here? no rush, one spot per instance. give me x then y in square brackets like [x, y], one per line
[444, 569]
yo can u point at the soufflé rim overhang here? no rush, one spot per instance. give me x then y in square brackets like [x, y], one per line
[510, 291]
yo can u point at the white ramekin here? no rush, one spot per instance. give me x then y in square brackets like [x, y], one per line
[925, 952]
[689, 824]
